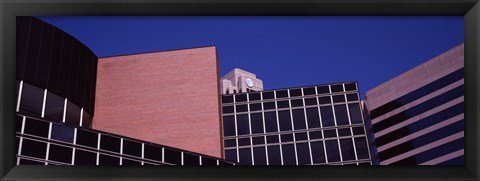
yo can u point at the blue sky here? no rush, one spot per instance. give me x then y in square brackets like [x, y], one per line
[282, 51]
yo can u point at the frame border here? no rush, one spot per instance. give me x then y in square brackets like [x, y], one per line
[470, 9]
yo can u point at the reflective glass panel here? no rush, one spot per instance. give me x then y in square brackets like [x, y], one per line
[243, 127]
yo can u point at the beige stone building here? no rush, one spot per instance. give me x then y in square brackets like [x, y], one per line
[238, 80]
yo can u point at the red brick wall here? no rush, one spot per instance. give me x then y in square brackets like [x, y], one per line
[170, 98]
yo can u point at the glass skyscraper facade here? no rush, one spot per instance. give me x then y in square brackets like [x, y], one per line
[309, 125]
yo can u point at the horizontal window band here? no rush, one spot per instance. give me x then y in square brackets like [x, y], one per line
[420, 124]
[418, 109]
[418, 93]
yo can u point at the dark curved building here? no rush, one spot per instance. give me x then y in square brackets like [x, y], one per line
[56, 71]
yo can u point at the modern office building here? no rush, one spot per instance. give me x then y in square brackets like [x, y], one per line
[418, 116]
[238, 81]
[58, 89]
[309, 125]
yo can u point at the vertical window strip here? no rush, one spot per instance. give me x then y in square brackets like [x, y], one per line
[143, 151]
[74, 143]
[19, 98]
[306, 125]
[44, 102]
[64, 110]
[121, 150]
[98, 148]
[81, 117]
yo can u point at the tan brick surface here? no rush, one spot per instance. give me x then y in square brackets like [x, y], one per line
[169, 98]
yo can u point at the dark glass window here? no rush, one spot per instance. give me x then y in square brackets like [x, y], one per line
[282, 104]
[242, 108]
[172, 156]
[297, 102]
[245, 155]
[268, 105]
[330, 133]
[62, 133]
[37, 128]
[241, 98]
[72, 116]
[228, 126]
[338, 98]
[259, 156]
[18, 125]
[358, 131]
[313, 117]
[350, 87]
[87, 138]
[109, 143]
[337, 88]
[348, 152]
[242, 124]
[333, 153]
[227, 99]
[244, 141]
[272, 139]
[295, 92]
[309, 91]
[355, 114]
[310, 101]
[254, 96]
[287, 137]
[361, 145]
[324, 100]
[30, 162]
[256, 107]
[231, 155]
[34, 148]
[227, 109]
[282, 93]
[267, 95]
[85, 157]
[318, 154]
[303, 153]
[270, 121]
[256, 120]
[327, 116]
[352, 97]
[284, 120]
[344, 132]
[323, 89]
[60, 153]
[258, 140]
[153, 152]
[31, 102]
[108, 160]
[315, 135]
[132, 148]
[86, 120]
[341, 114]
[288, 153]
[208, 161]
[54, 107]
[230, 143]
[301, 136]
[189, 159]
[274, 155]
[298, 119]
[130, 162]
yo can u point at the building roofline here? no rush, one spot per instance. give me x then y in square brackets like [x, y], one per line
[150, 52]
[344, 82]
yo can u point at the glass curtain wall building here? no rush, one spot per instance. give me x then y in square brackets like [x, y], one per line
[297, 126]
[418, 117]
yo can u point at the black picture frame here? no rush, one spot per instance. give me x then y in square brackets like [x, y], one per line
[470, 9]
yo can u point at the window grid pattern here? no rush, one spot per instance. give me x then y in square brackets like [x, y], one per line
[293, 126]
[48, 143]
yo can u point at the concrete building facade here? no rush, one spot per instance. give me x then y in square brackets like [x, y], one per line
[418, 117]
[238, 81]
